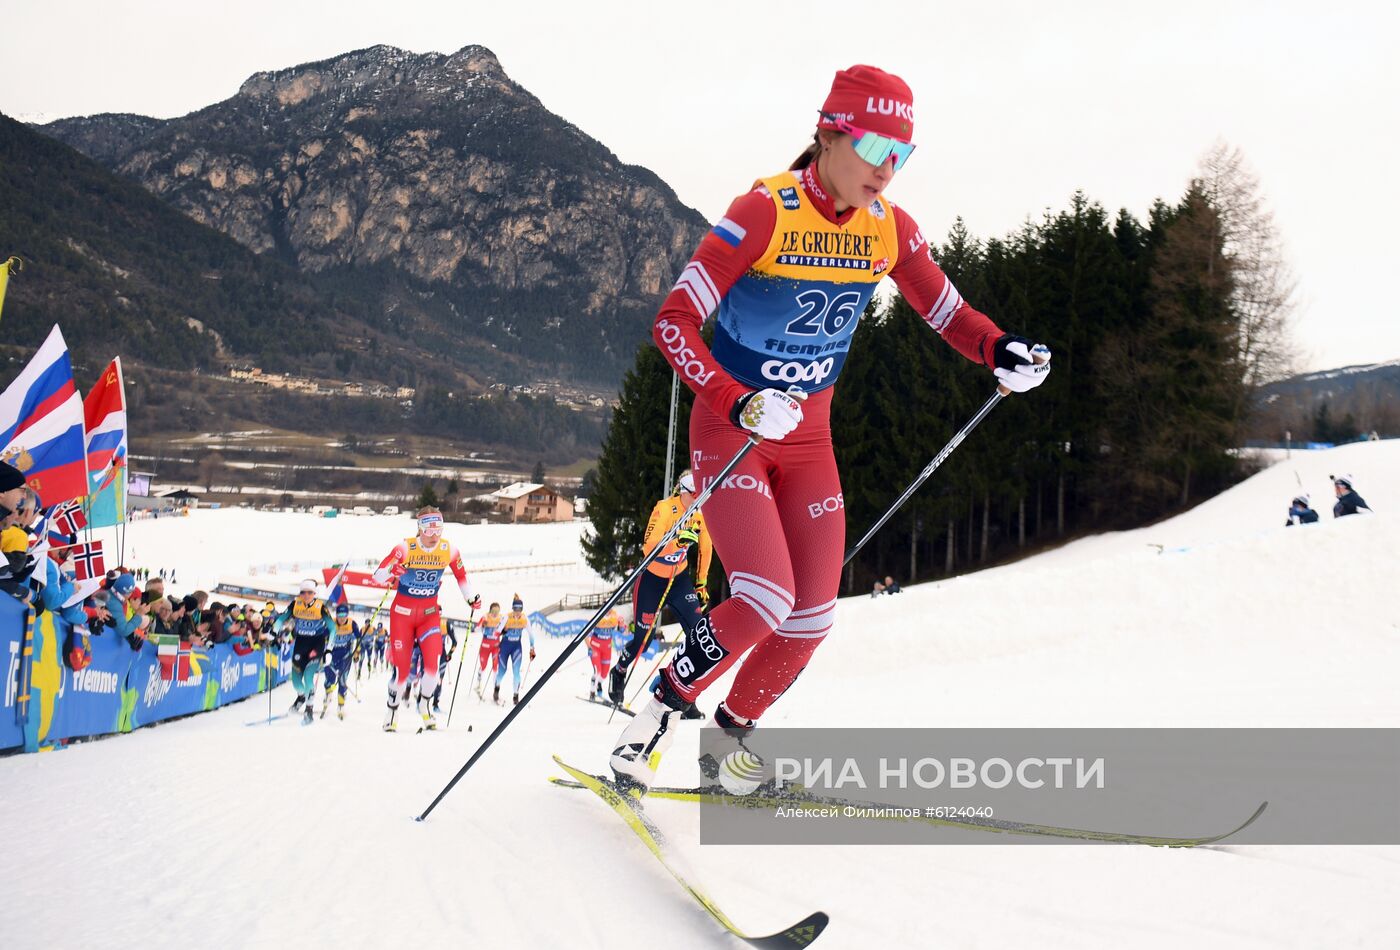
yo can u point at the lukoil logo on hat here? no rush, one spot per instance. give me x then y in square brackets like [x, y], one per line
[869, 97]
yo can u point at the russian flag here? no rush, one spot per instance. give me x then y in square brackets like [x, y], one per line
[104, 416]
[335, 584]
[41, 424]
[729, 232]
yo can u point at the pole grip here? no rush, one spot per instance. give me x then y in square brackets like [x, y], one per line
[1001, 388]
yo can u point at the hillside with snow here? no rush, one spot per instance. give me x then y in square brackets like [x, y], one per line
[208, 832]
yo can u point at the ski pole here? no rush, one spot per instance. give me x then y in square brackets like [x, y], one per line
[525, 676]
[665, 539]
[655, 619]
[466, 642]
[938, 460]
[375, 616]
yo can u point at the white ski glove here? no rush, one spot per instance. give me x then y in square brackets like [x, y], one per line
[769, 413]
[1020, 364]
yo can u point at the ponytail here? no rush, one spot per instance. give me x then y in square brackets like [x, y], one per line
[808, 155]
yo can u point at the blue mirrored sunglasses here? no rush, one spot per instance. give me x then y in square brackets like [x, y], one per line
[872, 146]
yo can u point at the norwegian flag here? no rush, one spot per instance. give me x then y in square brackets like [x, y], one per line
[86, 560]
[184, 662]
[179, 661]
[68, 518]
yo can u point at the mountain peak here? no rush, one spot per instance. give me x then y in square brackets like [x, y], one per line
[376, 66]
[480, 214]
[477, 58]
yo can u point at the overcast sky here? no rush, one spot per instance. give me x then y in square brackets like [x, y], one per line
[1017, 104]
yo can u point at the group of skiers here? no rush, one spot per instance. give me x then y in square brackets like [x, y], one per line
[325, 640]
[419, 644]
[502, 647]
[1348, 503]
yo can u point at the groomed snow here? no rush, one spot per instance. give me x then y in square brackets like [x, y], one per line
[207, 832]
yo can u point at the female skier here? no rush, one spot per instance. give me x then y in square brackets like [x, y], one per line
[490, 651]
[790, 268]
[667, 576]
[418, 564]
[515, 624]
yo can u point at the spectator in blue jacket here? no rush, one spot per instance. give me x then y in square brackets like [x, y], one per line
[58, 587]
[1348, 501]
[1299, 512]
[129, 613]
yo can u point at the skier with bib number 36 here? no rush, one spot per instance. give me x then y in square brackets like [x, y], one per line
[417, 564]
[790, 268]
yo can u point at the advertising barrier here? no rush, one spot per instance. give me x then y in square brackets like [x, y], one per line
[542, 626]
[12, 622]
[46, 702]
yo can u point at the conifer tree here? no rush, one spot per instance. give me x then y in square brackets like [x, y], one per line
[633, 464]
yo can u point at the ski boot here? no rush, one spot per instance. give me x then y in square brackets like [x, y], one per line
[297, 704]
[309, 711]
[617, 679]
[729, 761]
[340, 708]
[515, 699]
[496, 695]
[646, 739]
[425, 709]
[389, 725]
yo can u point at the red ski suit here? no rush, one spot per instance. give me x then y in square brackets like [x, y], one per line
[414, 616]
[789, 278]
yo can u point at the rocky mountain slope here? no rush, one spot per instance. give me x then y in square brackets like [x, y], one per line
[428, 183]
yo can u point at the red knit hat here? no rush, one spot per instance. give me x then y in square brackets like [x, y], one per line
[870, 98]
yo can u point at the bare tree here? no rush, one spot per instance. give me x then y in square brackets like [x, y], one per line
[211, 468]
[1263, 296]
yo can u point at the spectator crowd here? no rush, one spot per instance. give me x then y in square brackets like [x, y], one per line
[129, 603]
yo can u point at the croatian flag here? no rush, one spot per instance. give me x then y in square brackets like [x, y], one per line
[41, 424]
[104, 414]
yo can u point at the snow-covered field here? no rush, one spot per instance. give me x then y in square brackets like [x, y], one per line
[206, 832]
[237, 546]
